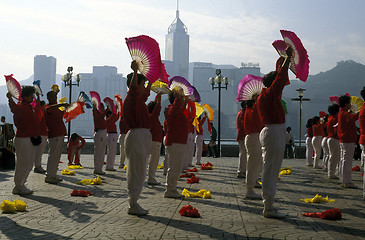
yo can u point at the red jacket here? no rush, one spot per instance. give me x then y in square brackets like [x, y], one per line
[201, 122]
[110, 123]
[270, 109]
[55, 124]
[176, 123]
[318, 130]
[252, 120]
[346, 126]
[123, 128]
[240, 125]
[25, 119]
[309, 132]
[332, 127]
[156, 128]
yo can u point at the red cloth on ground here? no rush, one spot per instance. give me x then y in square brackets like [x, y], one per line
[189, 211]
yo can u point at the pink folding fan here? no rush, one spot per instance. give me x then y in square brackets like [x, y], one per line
[95, 99]
[181, 83]
[13, 87]
[146, 52]
[248, 87]
[299, 62]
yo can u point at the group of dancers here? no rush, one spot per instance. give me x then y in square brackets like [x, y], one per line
[336, 134]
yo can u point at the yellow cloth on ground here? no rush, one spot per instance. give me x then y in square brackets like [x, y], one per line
[125, 167]
[160, 166]
[20, 205]
[201, 193]
[317, 199]
[75, 167]
[7, 206]
[67, 172]
[96, 181]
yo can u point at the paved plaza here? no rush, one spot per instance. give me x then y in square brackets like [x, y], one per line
[53, 214]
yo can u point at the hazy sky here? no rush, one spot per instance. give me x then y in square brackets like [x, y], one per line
[86, 33]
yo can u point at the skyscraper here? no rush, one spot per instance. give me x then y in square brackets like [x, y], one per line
[177, 49]
[45, 70]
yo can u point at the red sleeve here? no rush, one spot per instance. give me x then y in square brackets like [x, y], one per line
[82, 142]
[13, 107]
[156, 111]
[281, 80]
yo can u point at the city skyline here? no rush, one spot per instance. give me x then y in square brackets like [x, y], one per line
[83, 33]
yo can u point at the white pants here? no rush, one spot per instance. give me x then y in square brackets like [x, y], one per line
[272, 139]
[242, 157]
[176, 155]
[25, 154]
[316, 142]
[166, 159]
[39, 150]
[254, 159]
[199, 148]
[309, 151]
[99, 149]
[154, 159]
[121, 148]
[137, 148]
[325, 152]
[345, 166]
[112, 144]
[54, 155]
[189, 151]
[334, 156]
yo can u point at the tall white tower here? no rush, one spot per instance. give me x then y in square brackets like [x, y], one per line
[177, 48]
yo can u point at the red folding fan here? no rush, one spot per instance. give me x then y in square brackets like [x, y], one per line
[119, 104]
[13, 87]
[110, 104]
[75, 109]
[299, 62]
[146, 52]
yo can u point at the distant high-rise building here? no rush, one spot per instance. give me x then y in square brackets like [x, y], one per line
[45, 70]
[177, 49]
[107, 82]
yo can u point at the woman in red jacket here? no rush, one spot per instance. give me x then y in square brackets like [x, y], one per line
[333, 141]
[308, 143]
[317, 139]
[240, 126]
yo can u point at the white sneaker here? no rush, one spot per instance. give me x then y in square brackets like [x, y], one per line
[153, 181]
[173, 194]
[253, 195]
[272, 213]
[51, 180]
[137, 210]
[22, 191]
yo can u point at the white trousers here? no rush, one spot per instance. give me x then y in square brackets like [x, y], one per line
[254, 159]
[325, 152]
[242, 157]
[345, 166]
[176, 155]
[316, 142]
[54, 155]
[99, 149]
[334, 156]
[166, 159]
[189, 151]
[25, 154]
[137, 148]
[199, 148]
[154, 159]
[39, 150]
[309, 151]
[121, 148]
[112, 143]
[272, 139]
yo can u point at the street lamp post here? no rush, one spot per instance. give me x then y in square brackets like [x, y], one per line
[300, 99]
[67, 79]
[219, 80]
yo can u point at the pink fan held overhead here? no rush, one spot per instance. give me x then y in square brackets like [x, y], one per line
[95, 99]
[249, 86]
[13, 87]
[299, 62]
[110, 104]
[146, 52]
